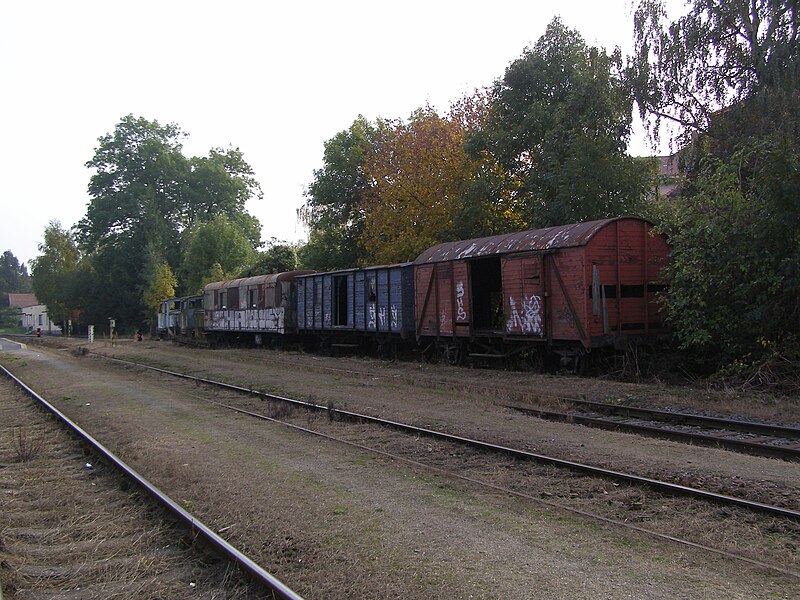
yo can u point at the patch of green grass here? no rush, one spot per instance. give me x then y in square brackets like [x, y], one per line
[448, 492]
[629, 543]
[19, 330]
[204, 436]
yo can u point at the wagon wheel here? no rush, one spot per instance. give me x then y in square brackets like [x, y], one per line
[583, 361]
[454, 354]
[532, 360]
[427, 353]
[387, 349]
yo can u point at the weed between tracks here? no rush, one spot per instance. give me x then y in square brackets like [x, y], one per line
[27, 443]
[277, 409]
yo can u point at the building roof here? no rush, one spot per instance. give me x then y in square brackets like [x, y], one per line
[20, 300]
[563, 236]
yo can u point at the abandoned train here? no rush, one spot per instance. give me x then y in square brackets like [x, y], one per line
[563, 290]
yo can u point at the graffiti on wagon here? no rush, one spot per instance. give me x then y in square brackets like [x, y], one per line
[526, 319]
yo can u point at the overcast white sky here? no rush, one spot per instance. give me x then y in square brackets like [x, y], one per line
[274, 79]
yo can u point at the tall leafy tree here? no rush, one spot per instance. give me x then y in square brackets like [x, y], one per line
[13, 275]
[278, 257]
[162, 286]
[145, 194]
[53, 269]
[726, 76]
[333, 210]
[720, 55]
[138, 186]
[220, 184]
[488, 203]
[217, 242]
[419, 170]
[559, 125]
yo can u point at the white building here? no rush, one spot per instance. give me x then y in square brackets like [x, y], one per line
[33, 315]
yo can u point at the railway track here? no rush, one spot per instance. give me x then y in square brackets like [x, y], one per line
[759, 439]
[484, 446]
[756, 438]
[198, 529]
[777, 441]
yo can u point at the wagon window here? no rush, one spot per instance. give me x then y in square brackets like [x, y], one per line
[632, 291]
[608, 291]
[252, 298]
[318, 292]
[233, 298]
[223, 299]
[530, 270]
[656, 288]
[261, 295]
[270, 296]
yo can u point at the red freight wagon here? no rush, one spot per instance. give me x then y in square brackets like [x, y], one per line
[584, 285]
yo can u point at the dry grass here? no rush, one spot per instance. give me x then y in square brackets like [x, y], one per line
[27, 443]
[66, 531]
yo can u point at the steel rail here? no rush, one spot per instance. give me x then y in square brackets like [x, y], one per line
[749, 446]
[278, 588]
[663, 486]
[690, 419]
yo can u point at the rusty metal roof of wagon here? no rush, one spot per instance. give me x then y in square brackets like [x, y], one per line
[562, 236]
[256, 280]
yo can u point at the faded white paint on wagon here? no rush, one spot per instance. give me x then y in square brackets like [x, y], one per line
[269, 320]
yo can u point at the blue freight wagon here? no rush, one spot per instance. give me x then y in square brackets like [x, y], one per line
[375, 300]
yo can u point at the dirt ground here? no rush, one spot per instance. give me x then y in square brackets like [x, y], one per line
[330, 519]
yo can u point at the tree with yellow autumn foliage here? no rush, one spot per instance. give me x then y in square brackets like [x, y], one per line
[420, 176]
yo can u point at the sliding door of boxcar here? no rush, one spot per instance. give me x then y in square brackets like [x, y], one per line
[523, 295]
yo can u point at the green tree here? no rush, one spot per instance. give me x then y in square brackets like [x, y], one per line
[278, 257]
[726, 76]
[13, 276]
[52, 268]
[215, 273]
[162, 286]
[145, 197]
[333, 209]
[718, 56]
[734, 270]
[488, 203]
[220, 184]
[217, 242]
[559, 125]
